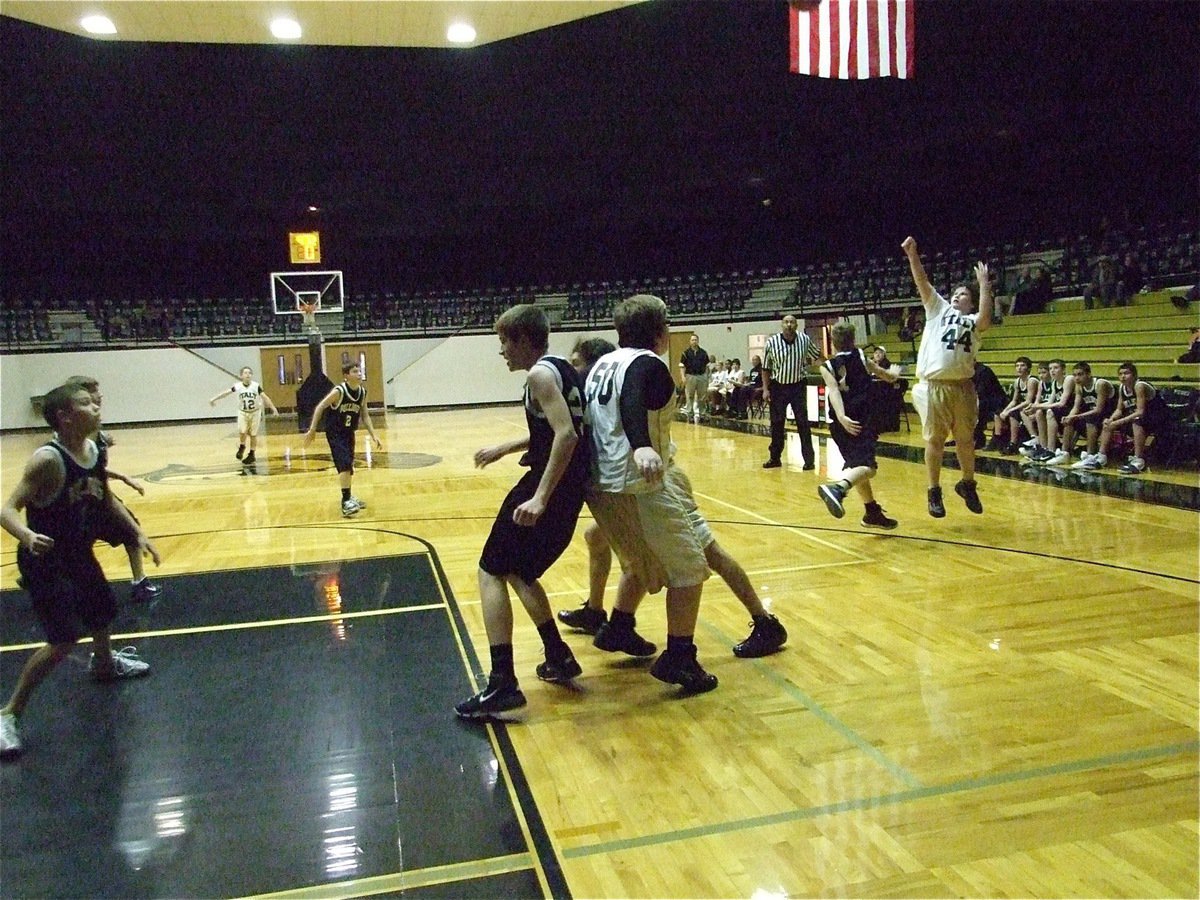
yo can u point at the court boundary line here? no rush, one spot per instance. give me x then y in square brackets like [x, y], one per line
[401, 881]
[881, 800]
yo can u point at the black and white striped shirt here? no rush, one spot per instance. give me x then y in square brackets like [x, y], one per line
[787, 362]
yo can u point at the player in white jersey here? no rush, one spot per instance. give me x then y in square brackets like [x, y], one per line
[945, 395]
[250, 409]
[630, 405]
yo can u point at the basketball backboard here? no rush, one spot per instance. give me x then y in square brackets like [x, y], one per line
[323, 290]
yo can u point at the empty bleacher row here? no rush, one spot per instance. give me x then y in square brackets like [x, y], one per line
[1168, 253]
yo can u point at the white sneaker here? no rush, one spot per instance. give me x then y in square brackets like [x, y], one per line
[125, 664]
[1099, 461]
[10, 738]
[1135, 466]
[1058, 458]
[1032, 442]
[350, 508]
[357, 502]
[1083, 461]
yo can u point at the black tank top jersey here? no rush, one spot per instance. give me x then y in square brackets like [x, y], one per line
[1128, 401]
[541, 435]
[850, 370]
[344, 416]
[1049, 392]
[78, 503]
[1020, 388]
[1091, 396]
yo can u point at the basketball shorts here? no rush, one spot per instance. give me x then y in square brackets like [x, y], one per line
[659, 535]
[341, 448]
[856, 449]
[527, 551]
[70, 595]
[111, 528]
[947, 408]
[249, 421]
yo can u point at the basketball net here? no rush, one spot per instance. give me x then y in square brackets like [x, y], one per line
[308, 314]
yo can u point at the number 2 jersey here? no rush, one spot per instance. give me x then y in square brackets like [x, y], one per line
[344, 416]
[948, 344]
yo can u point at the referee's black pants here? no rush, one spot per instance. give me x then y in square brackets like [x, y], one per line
[781, 396]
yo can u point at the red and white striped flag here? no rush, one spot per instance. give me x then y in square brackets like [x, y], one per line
[852, 38]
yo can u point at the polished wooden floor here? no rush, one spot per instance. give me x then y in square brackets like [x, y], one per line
[999, 705]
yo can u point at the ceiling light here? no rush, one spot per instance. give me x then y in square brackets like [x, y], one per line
[460, 33]
[98, 25]
[286, 29]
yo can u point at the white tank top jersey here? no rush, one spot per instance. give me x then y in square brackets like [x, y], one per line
[948, 344]
[247, 395]
[613, 469]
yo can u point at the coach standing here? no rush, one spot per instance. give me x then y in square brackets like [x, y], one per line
[694, 363]
[787, 356]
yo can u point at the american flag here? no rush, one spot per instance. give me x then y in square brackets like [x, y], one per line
[852, 38]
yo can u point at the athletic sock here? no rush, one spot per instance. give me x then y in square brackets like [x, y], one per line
[551, 639]
[680, 644]
[621, 621]
[345, 494]
[502, 660]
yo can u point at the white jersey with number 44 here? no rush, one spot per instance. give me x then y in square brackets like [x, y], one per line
[948, 344]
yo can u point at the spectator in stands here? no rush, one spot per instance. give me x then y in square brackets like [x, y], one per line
[736, 379]
[750, 392]
[1094, 401]
[1140, 411]
[890, 401]
[1193, 350]
[1130, 280]
[991, 400]
[1032, 292]
[1103, 286]
[1057, 399]
[693, 365]
[880, 358]
[1023, 392]
[718, 384]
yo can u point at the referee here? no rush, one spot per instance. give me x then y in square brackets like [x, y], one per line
[788, 355]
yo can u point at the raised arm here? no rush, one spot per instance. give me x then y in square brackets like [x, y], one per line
[223, 394]
[983, 277]
[920, 279]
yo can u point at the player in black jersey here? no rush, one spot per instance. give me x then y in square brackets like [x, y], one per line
[112, 528]
[857, 405]
[61, 491]
[347, 406]
[537, 519]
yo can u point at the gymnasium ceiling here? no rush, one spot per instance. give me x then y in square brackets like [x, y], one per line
[348, 23]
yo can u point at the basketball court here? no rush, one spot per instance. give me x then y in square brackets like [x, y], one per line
[981, 705]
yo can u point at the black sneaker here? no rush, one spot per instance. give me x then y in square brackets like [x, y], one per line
[681, 668]
[241, 450]
[500, 695]
[772, 464]
[767, 635]
[559, 671]
[875, 518]
[808, 466]
[1009, 449]
[144, 591]
[969, 493]
[248, 459]
[937, 509]
[995, 444]
[833, 495]
[627, 640]
[584, 619]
